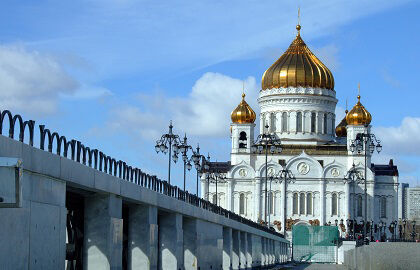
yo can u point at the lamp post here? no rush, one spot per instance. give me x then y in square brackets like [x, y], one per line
[286, 176]
[165, 143]
[266, 142]
[371, 229]
[365, 142]
[199, 161]
[183, 147]
[352, 177]
[213, 176]
[217, 177]
[400, 228]
[206, 169]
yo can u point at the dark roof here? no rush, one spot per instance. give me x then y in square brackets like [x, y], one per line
[221, 167]
[389, 169]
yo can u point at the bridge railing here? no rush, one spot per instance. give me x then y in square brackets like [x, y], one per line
[96, 159]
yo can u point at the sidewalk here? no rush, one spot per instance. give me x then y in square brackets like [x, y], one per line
[312, 266]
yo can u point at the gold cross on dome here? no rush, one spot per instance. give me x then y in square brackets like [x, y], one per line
[298, 15]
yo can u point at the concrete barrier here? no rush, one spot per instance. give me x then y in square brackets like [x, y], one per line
[160, 232]
[384, 256]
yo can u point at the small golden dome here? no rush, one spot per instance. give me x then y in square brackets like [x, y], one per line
[298, 66]
[341, 129]
[243, 114]
[358, 115]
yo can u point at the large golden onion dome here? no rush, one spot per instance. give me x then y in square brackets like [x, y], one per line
[298, 66]
[358, 115]
[243, 114]
[341, 129]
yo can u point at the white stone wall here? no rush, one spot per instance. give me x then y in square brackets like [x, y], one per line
[297, 100]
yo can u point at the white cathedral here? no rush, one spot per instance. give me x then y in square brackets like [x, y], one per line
[297, 104]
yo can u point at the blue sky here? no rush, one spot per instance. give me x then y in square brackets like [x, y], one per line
[113, 73]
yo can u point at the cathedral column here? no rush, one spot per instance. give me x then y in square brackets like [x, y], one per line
[229, 195]
[204, 190]
[283, 200]
[322, 201]
[371, 200]
[257, 199]
[347, 201]
[261, 123]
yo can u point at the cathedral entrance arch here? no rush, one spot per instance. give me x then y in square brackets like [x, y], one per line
[314, 243]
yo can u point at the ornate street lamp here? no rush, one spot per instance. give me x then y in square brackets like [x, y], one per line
[371, 229]
[205, 168]
[183, 148]
[214, 176]
[286, 176]
[217, 177]
[405, 224]
[365, 142]
[199, 161]
[165, 143]
[266, 142]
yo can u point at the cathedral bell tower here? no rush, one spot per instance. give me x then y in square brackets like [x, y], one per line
[358, 121]
[242, 127]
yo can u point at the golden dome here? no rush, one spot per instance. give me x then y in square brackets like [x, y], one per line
[243, 114]
[298, 66]
[341, 129]
[358, 115]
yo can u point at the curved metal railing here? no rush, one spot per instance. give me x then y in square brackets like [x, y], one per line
[96, 159]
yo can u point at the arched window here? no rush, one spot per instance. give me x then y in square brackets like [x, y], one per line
[309, 204]
[273, 122]
[302, 204]
[271, 203]
[299, 122]
[295, 204]
[383, 207]
[284, 122]
[325, 123]
[214, 199]
[313, 122]
[359, 205]
[242, 139]
[242, 204]
[334, 204]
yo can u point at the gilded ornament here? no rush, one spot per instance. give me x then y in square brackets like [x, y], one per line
[298, 66]
[243, 114]
[341, 129]
[358, 115]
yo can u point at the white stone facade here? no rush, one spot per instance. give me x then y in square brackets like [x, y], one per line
[317, 159]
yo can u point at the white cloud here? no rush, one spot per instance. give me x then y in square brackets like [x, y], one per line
[204, 112]
[31, 82]
[88, 92]
[403, 139]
